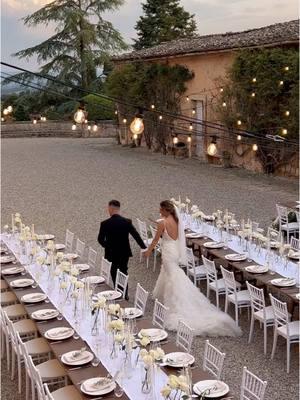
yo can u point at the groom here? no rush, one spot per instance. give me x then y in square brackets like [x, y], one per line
[114, 237]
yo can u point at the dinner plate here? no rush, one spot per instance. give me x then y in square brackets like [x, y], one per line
[12, 270]
[77, 357]
[45, 314]
[70, 256]
[106, 386]
[60, 246]
[82, 267]
[194, 235]
[19, 283]
[178, 359]
[47, 236]
[132, 312]
[33, 297]
[294, 255]
[221, 388]
[59, 333]
[110, 294]
[3, 249]
[6, 259]
[236, 257]
[214, 245]
[283, 282]
[93, 279]
[257, 269]
[154, 334]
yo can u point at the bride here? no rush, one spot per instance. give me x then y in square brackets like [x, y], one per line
[175, 290]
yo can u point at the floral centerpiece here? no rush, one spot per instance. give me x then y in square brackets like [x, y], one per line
[177, 388]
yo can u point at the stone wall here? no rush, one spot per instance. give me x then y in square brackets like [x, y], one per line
[106, 129]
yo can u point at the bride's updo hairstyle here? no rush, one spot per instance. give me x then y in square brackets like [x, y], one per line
[168, 206]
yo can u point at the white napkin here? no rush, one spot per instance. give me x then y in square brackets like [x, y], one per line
[60, 332]
[100, 384]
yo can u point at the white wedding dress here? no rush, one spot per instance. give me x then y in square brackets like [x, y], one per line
[184, 300]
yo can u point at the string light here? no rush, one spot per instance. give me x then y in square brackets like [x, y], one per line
[286, 68]
[212, 147]
[86, 121]
[175, 139]
[2, 119]
[135, 136]
[124, 120]
[43, 119]
[5, 111]
[152, 106]
[281, 83]
[224, 104]
[255, 147]
[189, 139]
[253, 94]
[34, 121]
[79, 116]
[284, 131]
[194, 111]
[116, 112]
[191, 127]
[239, 122]
[254, 80]
[74, 127]
[187, 98]
[221, 90]
[239, 137]
[95, 128]
[137, 125]
[160, 117]
[287, 113]
[89, 127]
[10, 109]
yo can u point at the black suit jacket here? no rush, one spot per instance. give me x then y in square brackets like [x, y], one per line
[114, 237]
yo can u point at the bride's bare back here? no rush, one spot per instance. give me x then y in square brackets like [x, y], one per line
[171, 226]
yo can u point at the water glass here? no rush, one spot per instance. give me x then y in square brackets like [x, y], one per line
[95, 361]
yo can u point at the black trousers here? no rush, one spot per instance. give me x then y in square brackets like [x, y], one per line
[120, 263]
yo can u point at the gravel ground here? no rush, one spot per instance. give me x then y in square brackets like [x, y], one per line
[57, 183]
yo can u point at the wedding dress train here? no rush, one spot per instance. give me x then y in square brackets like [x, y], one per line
[184, 300]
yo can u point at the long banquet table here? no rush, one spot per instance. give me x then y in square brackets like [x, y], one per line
[97, 345]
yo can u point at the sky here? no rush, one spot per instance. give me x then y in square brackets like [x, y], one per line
[212, 16]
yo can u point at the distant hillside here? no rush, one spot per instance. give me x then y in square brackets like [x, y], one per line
[10, 89]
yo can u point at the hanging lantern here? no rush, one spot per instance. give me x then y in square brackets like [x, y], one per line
[74, 127]
[212, 147]
[9, 109]
[137, 125]
[239, 137]
[255, 147]
[79, 116]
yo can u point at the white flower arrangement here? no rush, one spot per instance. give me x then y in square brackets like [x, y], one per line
[178, 383]
[187, 200]
[114, 309]
[116, 325]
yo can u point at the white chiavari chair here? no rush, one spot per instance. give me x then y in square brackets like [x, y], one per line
[184, 336]
[213, 283]
[239, 298]
[69, 240]
[105, 270]
[213, 360]
[142, 228]
[141, 297]
[67, 392]
[284, 225]
[15, 312]
[8, 298]
[4, 286]
[92, 258]
[273, 235]
[253, 388]
[194, 271]
[157, 249]
[159, 314]
[295, 244]
[121, 283]
[79, 249]
[259, 312]
[290, 331]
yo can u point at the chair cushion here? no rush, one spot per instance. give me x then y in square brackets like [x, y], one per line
[4, 285]
[243, 297]
[51, 369]
[221, 285]
[67, 392]
[8, 297]
[200, 271]
[291, 226]
[37, 346]
[25, 326]
[269, 314]
[15, 311]
[294, 328]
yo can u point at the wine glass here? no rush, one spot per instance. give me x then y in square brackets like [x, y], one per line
[95, 361]
[119, 391]
[59, 317]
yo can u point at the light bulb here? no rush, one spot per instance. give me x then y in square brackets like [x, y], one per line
[254, 80]
[193, 111]
[9, 108]
[5, 111]
[287, 113]
[221, 90]
[286, 68]
[224, 104]
[253, 94]
[189, 139]
[34, 121]
[137, 125]
[86, 121]
[255, 147]
[135, 136]
[191, 127]
[281, 83]
[187, 98]
[89, 127]
[2, 119]
[239, 122]
[175, 140]
[73, 127]
[79, 116]
[95, 127]
[284, 131]
[239, 137]
[160, 117]
[116, 112]
[212, 149]
[152, 106]
[124, 120]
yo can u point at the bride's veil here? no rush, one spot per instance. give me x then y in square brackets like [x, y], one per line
[181, 238]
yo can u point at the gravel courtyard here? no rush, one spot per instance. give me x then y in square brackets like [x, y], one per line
[60, 183]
